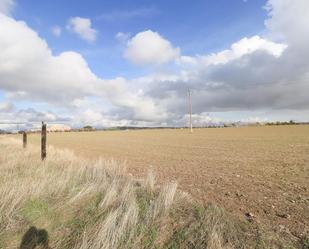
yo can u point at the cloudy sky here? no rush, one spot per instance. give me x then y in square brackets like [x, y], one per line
[113, 63]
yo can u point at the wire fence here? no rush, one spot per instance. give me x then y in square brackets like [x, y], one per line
[43, 130]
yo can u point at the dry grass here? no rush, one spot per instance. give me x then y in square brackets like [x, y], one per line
[95, 204]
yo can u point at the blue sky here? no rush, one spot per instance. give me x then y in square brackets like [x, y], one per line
[198, 27]
[109, 63]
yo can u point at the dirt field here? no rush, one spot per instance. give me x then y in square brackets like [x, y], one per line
[261, 170]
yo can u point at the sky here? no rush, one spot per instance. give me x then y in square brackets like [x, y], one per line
[131, 63]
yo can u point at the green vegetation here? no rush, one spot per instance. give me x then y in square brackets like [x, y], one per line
[34, 209]
[291, 122]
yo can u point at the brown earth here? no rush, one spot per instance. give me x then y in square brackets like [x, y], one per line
[258, 170]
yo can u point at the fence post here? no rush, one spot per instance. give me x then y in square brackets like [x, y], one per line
[43, 141]
[25, 139]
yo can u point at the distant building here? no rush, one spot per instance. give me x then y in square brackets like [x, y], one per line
[58, 128]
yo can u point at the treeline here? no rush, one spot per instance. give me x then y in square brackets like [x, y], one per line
[291, 122]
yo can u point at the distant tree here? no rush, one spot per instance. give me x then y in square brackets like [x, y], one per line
[88, 127]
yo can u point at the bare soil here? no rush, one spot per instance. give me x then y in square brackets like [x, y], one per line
[263, 171]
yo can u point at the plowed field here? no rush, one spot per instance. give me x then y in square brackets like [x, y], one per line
[258, 170]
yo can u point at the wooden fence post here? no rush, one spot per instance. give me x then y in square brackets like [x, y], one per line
[43, 141]
[25, 139]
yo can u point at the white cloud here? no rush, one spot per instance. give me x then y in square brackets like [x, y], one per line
[122, 37]
[28, 118]
[255, 73]
[38, 75]
[6, 6]
[269, 72]
[288, 20]
[82, 27]
[243, 47]
[28, 66]
[246, 46]
[56, 30]
[6, 107]
[149, 47]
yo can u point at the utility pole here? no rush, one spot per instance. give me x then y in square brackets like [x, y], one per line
[190, 110]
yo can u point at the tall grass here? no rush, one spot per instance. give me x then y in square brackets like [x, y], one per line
[78, 203]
